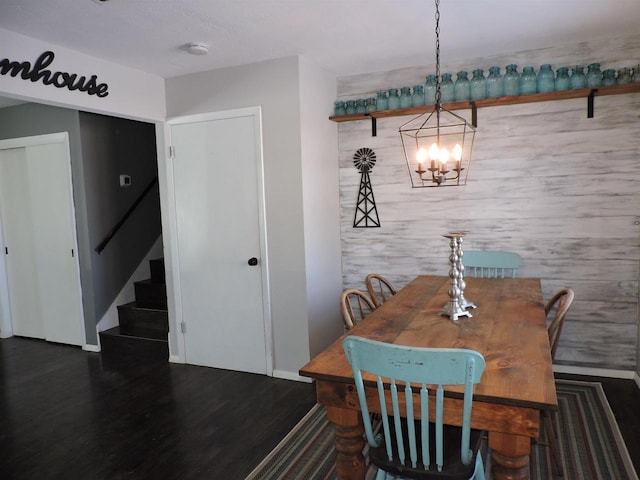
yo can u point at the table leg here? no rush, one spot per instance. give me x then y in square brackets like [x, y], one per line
[350, 463]
[510, 456]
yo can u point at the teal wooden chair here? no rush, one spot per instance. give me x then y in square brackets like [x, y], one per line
[407, 447]
[491, 264]
[379, 288]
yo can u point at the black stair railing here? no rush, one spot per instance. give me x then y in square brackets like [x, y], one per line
[101, 246]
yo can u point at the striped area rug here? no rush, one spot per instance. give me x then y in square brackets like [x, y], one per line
[591, 443]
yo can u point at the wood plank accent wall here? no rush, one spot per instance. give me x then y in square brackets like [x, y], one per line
[545, 181]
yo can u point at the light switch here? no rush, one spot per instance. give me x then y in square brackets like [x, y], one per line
[125, 180]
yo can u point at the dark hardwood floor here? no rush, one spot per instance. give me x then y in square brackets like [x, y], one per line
[69, 414]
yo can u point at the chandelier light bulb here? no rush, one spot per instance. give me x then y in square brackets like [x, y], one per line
[444, 155]
[421, 155]
[457, 152]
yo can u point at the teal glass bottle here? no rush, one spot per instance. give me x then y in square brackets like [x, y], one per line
[351, 107]
[371, 104]
[339, 108]
[462, 87]
[478, 85]
[394, 99]
[361, 106]
[624, 76]
[382, 101]
[447, 93]
[511, 80]
[609, 77]
[545, 79]
[430, 90]
[528, 81]
[405, 97]
[594, 75]
[563, 82]
[417, 99]
[495, 83]
[578, 79]
[636, 74]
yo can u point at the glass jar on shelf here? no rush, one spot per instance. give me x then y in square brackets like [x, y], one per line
[528, 81]
[430, 90]
[546, 79]
[417, 99]
[495, 83]
[562, 82]
[478, 85]
[609, 77]
[405, 97]
[511, 80]
[447, 93]
[636, 74]
[624, 76]
[351, 107]
[394, 99]
[462, 87]
[594, 75]
[339, 108]
[382, 100]
[371, 104]
[577, 78]
[361, 106]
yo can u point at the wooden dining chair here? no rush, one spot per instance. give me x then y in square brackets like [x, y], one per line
[491, 264]
[355, 306]
[559, 305]
[409, 445]
[379, 288]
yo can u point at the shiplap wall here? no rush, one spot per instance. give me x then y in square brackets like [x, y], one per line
[545, 181]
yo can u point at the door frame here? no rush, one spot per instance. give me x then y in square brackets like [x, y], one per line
[6, 325]
[175, 292]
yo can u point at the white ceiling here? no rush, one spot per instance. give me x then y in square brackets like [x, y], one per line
[344, 36]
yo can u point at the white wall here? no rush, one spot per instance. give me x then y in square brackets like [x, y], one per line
[132, 93]
[278, 87]
[321, 205]
[545, 181]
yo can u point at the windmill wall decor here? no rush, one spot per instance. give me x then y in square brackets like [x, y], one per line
[366, 215]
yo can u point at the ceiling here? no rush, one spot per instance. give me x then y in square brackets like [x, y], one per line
[345, 37]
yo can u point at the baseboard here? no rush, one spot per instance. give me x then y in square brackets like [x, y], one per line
[174, 359]
[290, 376]
[595, 372]
[637, 379]
[91, 348]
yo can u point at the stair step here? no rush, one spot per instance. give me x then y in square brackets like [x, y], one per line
[132, 315]
[150, 294]
[157, 270]
[137, 343]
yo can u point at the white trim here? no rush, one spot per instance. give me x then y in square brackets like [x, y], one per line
[636, 378]
[256, 113]
[175, 359]
[594, 372]
[291, 376]
[91, 348]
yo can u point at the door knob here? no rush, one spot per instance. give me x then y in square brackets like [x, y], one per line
[253, 261]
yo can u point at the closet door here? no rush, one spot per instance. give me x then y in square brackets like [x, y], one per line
[38, 228]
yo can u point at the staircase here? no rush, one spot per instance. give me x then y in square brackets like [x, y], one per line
[144, 323]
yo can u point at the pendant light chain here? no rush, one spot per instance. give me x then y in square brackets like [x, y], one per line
[438, 94]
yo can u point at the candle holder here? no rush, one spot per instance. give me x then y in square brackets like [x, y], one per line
[464, 303]
[454, 309]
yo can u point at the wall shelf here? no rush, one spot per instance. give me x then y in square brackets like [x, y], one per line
[587, 93]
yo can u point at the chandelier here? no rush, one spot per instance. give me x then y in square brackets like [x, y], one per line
[437, 145]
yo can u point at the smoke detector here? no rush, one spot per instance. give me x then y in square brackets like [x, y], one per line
[197, 48]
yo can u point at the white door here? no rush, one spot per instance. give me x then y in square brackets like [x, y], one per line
[217, 170]
[38, 226]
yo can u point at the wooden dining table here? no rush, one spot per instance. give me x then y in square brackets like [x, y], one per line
[508, 327]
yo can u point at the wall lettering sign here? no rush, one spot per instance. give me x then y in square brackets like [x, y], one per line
[48, 77]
